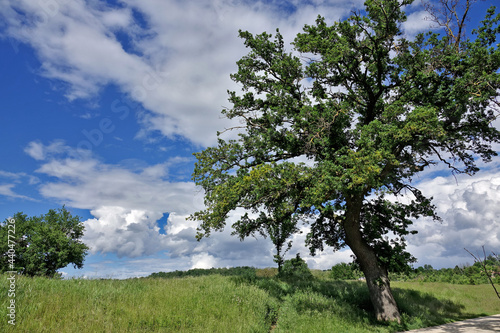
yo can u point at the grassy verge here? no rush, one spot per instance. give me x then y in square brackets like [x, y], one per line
[434, 303]
[214, 303]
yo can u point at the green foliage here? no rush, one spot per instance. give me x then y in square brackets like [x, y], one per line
[266, 272]
[42, 244]
[466, 274]
[296, 269]
[343, 271]
[232, 271]
[471, 275]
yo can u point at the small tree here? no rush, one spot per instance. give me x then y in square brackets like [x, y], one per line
[278, 228]
[279, 223]
[42, 244]
[296, 269]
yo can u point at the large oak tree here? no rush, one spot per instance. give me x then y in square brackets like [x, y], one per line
[367, 109]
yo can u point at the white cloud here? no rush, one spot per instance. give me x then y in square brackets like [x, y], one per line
[470, 209]
[6, 190]
[14, 179]
[130, 233]
[176, 63]
[88, 184]
[416, 23]
[203, 260]
[35, 150]
[126, 203]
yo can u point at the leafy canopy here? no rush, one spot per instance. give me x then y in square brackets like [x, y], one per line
[42, 244]
[346, 120]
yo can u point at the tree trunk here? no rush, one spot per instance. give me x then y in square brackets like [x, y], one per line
[376, 276]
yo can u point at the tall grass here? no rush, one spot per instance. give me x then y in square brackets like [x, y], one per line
[215, 303]
[203, 304]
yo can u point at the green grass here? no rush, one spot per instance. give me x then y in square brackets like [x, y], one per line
[436, 303]
[214, 303]
[203, 304]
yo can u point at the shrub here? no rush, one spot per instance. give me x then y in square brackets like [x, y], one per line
[296, 268]
[266, 272]
[345, 271]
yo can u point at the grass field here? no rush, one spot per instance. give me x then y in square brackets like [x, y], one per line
[217, 303]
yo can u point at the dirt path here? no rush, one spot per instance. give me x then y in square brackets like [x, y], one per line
[476, 325]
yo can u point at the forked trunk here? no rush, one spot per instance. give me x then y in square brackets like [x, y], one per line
[376, 276]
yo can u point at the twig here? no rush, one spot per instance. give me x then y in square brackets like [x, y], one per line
[483, 264]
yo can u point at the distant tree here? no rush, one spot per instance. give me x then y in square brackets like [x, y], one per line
[296, 269]
[279, 223]
[369, 110]
[428, 267]
[42, 244]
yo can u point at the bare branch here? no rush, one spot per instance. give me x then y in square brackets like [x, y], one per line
[485, 269]
[450, 16]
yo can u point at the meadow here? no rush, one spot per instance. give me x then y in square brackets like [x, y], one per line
[253, 300]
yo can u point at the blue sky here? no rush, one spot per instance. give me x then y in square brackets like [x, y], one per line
[103, 103]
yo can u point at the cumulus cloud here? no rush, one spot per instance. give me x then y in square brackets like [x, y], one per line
[470, 209]
[125, 232]
[127, 204]
[203, 260]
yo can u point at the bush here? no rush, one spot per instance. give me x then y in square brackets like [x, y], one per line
[296, 268]
[345, 271]
[268, 272]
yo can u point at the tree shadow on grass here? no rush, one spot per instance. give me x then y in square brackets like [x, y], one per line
[350, 300]
[421, 309]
